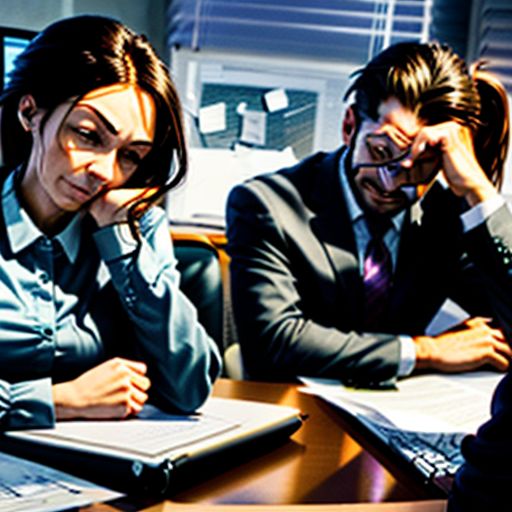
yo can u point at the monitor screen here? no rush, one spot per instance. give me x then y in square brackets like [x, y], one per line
[12, 42]
[13, 46]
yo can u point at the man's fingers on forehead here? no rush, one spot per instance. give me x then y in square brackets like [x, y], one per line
[421, 144]
[396, 137]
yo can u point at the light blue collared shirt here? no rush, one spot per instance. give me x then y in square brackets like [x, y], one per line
[69, 302]
[361, 232]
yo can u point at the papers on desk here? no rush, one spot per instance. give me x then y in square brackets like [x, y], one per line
[148, 438]
[27, 486]
[427, 403]
[423, 421]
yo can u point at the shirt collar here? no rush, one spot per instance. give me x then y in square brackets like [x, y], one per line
[69, 237]
[21, 230]
[354, 210]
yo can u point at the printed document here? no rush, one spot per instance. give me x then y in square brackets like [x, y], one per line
[27, 486]
[426, 403]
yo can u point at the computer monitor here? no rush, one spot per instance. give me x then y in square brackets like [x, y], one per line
[12, 42]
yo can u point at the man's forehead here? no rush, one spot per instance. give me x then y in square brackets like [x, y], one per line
[398, 122]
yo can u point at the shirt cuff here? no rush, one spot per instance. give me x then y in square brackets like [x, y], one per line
[407, 356]
[31, 405]
[481, 212]
[115, 241]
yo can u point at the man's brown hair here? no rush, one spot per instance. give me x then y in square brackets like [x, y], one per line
[432, 81]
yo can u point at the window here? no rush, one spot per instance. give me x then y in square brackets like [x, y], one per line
[262, 82]
[230, 55]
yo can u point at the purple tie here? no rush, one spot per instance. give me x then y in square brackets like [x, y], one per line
[377, 276]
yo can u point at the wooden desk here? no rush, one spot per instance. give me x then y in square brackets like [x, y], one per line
[320, 464]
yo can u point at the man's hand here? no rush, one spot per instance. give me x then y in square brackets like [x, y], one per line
[469, 348]
[460, 166]
[114, 389]
[112, 206]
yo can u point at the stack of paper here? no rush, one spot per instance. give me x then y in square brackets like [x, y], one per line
[427, 403]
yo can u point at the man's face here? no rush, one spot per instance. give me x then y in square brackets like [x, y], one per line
[390, 188]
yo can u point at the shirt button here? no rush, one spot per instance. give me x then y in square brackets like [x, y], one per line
[48, 332]
[45, 277]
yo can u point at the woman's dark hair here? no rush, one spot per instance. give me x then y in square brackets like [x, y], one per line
[434, 83]
[76, 55]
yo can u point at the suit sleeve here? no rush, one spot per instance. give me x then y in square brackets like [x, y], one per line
[489, 247]
[277, 338]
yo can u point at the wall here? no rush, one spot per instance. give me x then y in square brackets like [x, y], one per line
[146, 16]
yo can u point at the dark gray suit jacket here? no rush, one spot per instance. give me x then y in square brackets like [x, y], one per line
[296, 288]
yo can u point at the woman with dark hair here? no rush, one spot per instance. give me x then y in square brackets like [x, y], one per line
[91, 314]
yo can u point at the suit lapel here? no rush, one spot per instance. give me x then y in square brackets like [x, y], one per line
[333, 228]
[409, 249]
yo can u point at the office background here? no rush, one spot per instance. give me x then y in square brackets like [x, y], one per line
[262, 81]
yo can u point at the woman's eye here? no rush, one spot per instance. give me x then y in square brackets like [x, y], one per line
[88, 136]
[131, 159]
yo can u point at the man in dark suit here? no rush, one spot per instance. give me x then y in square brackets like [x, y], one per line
[339, 263]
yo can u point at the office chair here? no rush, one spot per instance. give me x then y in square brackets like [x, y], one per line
[233, 362]
[201, 280]
[204, 269]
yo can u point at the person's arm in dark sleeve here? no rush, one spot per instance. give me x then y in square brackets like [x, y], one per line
[483, 481]
[489, 246]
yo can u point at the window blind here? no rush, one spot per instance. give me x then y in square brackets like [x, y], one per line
[348, 30]
[493, 38]
[450, 24]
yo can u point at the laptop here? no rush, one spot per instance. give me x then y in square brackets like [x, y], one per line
[158, 453]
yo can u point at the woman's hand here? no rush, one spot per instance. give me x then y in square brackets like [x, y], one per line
[112, 206]
[116, 388]
[460, 166]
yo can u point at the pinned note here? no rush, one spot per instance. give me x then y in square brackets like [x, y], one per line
[212, 118]
[254, 127]
[275, 100]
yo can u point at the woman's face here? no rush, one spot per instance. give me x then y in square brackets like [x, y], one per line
[87, 148]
